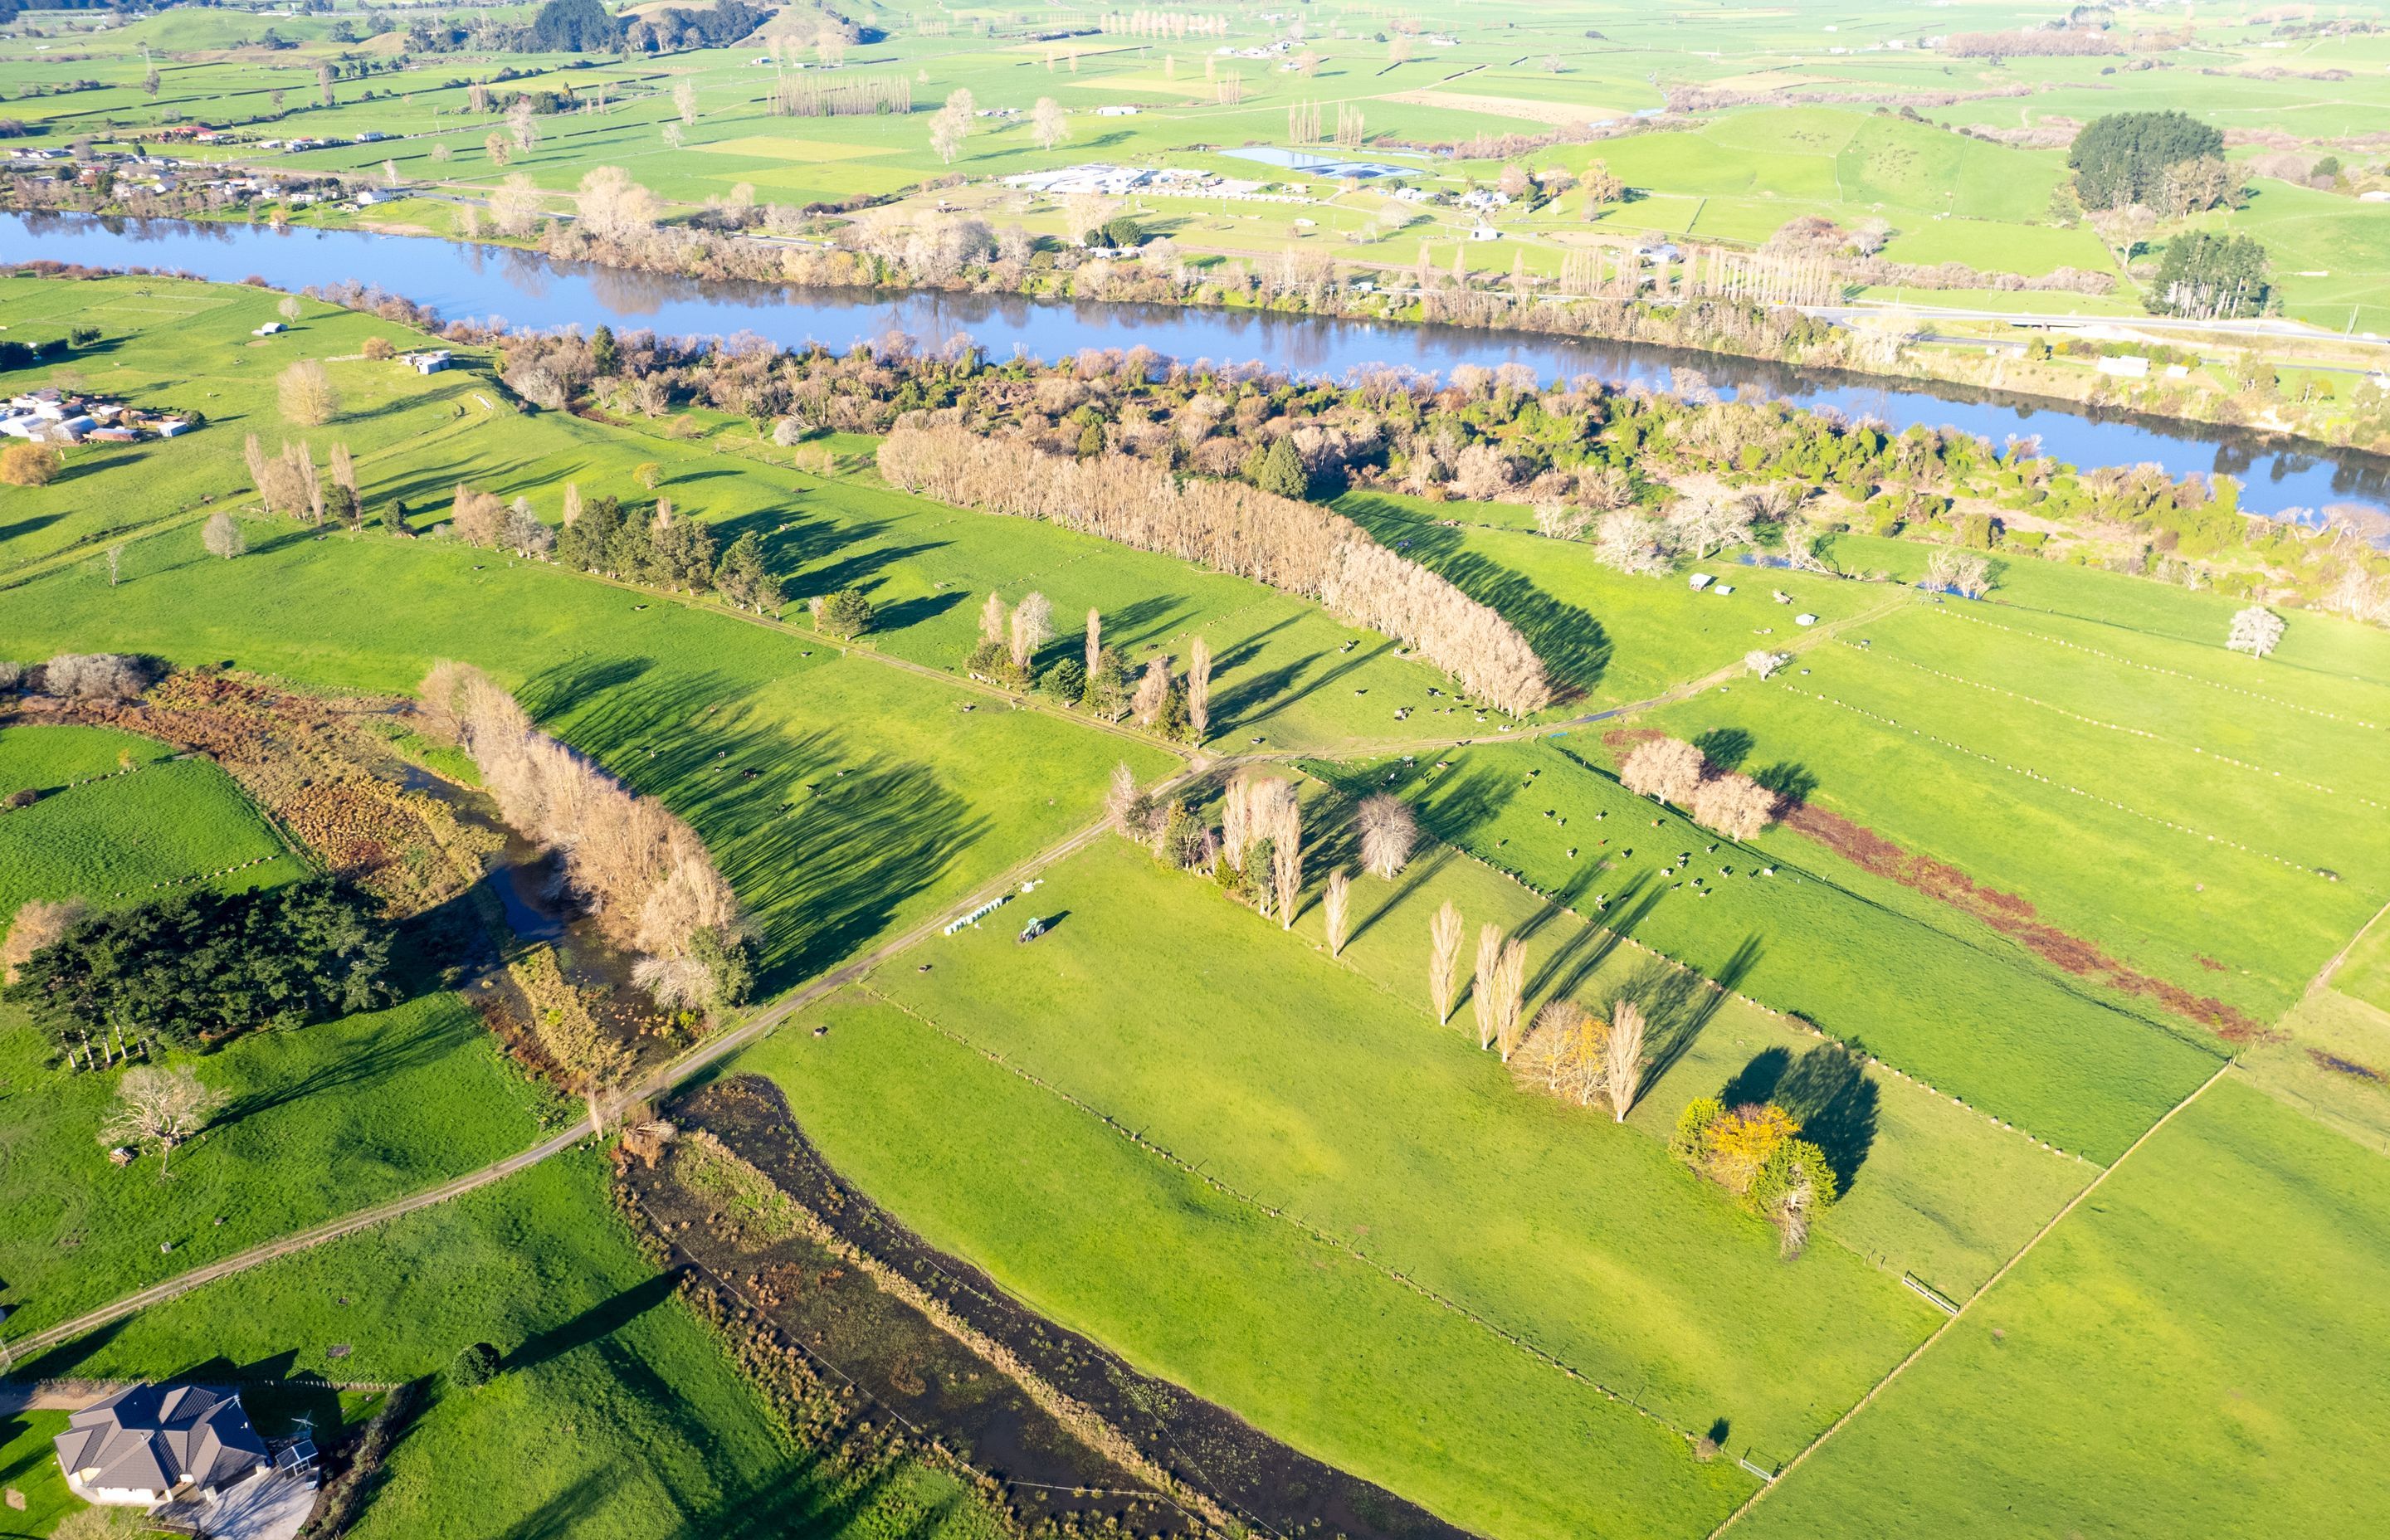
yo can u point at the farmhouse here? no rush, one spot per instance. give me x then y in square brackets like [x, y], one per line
[150, 1444]
[430, 361]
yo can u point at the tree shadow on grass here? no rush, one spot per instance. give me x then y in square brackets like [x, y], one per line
[1677, 1003]
[1574, 647]
[1826, 1092]
[1422, 871]
[822, 839]
[600, 1321]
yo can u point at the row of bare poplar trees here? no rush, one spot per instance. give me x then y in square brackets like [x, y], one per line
[644, 874]
[1231, 528]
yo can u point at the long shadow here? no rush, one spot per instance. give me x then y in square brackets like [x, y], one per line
[600, 1321]
[435, 1040]
[920, 611]
[862, 569]
[570, 1511]
[1827, 1089]
[1412, 878]
[61, 1361]
[1679, 1003]
[1725, 747]
[822, 839]
[1572, 644]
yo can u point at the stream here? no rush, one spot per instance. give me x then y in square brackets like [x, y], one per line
[524, 289]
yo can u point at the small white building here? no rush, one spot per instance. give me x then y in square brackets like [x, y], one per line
[1484, 231]
[2131, 366]
[430, 361]
[269, 330]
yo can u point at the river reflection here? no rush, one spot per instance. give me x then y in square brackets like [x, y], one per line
[524, 290]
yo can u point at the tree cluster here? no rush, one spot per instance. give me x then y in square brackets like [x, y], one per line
[199, 967]
[1674, 771]
[1755, 1151]
[2124, 158]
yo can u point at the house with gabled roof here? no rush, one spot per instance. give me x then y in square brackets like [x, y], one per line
[152, 1445]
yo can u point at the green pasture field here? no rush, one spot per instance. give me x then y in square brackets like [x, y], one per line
[1608, 638]
[48, 758]
[925, 567]
[133, 836]
[876, 794]
[2176, 1357]
[172, 345]
[1368, 1124]
[2176, 864]
[616, 1414]
[1941, 997]
[1732, 175]
[28, 1464]
[319, 1120]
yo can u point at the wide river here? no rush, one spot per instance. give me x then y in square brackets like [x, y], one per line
[526, 290]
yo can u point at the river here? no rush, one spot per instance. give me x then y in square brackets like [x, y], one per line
[524, 289]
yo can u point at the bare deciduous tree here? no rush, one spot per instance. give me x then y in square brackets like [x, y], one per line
[1667, 768]
[1121, 797]
[1733, 805]
[1389, 830]
[1336, 906]
[306, 394]
[2255, 631]
[1284, 543]
[1199, 687]
[1622, 1057]
[1051, 124]
[1095, 641]
[1286, 854]
[222, 535]
[514, 206]
[612, 207]
[164, 1107]
[993, 620]
[1153, 693]
[1444, 958]
[646, 875]
[1032, 627]
[1481, 999]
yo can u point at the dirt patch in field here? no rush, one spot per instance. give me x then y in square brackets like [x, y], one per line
[2014, 915]
[2348, 1066]
[1216, 1459]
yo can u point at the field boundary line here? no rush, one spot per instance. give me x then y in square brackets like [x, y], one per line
[1971, 1300]
[2322, 980]
[1323, 1237]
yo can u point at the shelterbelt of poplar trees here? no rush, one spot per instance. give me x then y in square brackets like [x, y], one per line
[1230, 528]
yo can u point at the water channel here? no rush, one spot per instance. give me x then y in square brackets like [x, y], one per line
[524, 290]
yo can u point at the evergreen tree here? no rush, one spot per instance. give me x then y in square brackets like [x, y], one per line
[743, 579]
[2122, 159]
[1278, 470]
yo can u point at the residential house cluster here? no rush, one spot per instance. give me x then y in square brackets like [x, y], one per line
[55, 417]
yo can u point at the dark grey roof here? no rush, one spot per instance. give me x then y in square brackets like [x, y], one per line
[151, 1437]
